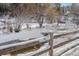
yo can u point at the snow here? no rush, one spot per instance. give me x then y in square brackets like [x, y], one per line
[1, 32]
[21, 36]
[35, 25]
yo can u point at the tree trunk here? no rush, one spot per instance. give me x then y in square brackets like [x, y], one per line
[41, 22]
[18, 28]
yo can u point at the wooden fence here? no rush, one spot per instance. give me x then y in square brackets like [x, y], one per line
[9, 49]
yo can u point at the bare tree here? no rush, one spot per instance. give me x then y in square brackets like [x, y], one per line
[36, 11]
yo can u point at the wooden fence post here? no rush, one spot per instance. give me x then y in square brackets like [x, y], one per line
[51, 44]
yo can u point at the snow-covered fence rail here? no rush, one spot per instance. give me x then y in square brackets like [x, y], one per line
[59, 35]
[16, 47]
